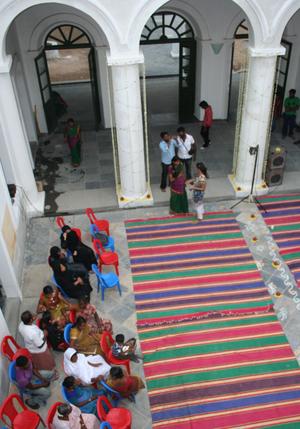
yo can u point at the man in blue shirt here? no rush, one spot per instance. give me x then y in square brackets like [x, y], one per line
[167, 146]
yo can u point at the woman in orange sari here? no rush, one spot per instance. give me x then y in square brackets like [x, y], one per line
[50, 300]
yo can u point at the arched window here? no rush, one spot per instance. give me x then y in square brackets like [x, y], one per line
[166, 27]
[242, 31]
[67, 37]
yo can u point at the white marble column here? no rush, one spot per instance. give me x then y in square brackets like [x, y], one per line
[256, 116]
[15, 139]
[126, 90]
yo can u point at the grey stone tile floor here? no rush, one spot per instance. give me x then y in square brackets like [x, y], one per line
[63, 183]
[42, 233]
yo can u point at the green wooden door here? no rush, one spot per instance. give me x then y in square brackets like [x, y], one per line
[187, 76]
[94, 86]
[46, 91]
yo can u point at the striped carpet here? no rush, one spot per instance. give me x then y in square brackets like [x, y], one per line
[282, 215]
[215, 353]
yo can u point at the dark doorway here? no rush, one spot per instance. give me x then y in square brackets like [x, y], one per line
[173, 78]
[68, 79]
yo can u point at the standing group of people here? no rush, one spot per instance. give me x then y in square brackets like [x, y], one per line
[177, 155]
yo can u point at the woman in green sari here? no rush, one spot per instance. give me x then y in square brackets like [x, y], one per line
[73, 138]
[178, 201]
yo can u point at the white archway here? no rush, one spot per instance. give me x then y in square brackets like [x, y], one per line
[100, 15]
[285, 13]
[254, 13]
[40, 31]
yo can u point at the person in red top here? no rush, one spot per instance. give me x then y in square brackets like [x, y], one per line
[207, 123]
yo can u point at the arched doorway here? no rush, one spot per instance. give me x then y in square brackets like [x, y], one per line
[67, 78]
[169, 47]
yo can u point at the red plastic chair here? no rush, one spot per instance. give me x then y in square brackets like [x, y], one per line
[105, 258]
[51, 414]
[72, 316]
[106, 339]
[16, 415]
[9, 347]
[60, 222]
[118, 418]
[102, 224]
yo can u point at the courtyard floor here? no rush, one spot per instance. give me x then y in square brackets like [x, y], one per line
[42, 233]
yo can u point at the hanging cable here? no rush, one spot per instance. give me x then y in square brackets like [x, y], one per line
[240, 107]
[113, 133]
[268, 138]
[146, 125]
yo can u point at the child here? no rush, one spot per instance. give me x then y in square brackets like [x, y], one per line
[122, 350]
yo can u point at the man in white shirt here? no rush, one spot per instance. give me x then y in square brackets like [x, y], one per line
[186, 150]
[36, 343]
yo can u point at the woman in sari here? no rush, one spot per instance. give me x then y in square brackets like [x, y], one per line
[68, 416]
[84, 398]
[53, 333]
[178, 200]
[123, 383]
[72, 136]
[198, 186]
[83, 340]
[88, 311]
[87, 369]
[50, 300]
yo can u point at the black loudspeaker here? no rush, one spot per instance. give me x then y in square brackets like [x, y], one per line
[274, 177]
[275, 166]
[277, 157]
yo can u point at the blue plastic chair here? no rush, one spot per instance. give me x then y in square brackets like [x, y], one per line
[106, 281]
[111, 242]
[105, 425]
[60, 288]
[67, 331]
[115, 396]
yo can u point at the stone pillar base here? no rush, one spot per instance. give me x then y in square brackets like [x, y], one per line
[36, 208]
[242, 191]
[145, 200]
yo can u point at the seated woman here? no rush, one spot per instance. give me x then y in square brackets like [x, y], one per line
[125, 384]
[68, 416]
[83, 340]
[74, 286]
[56, 256]
[82, 254]
[54, 334]
[84, 398]
[87, 369]
[50, 300]
[89, 313]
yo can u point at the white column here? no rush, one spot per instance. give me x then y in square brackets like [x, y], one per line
[129, 125]
[255, 119]
[16, 143]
